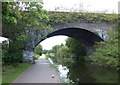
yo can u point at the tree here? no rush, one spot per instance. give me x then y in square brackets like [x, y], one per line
[45, 51]
[76, 48]
[63, 55]
[16, 21]
[10, 18]
[38, 49]
[55, 49]
[63, 52]
[107, 53]
[53, 53]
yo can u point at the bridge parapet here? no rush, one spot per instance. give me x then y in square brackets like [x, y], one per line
[88, 26]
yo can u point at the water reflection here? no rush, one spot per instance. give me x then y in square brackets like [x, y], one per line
[85, 72]
[79, 73]
[63, 71]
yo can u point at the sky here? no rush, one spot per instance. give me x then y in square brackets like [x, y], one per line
[52, 41]
[108, 6]
[85, 5]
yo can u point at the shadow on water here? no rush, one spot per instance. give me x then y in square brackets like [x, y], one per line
[79, 73]
[85, 72]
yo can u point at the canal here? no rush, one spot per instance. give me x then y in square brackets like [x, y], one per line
[77, 72]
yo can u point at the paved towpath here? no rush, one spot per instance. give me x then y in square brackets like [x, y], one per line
[41, 72]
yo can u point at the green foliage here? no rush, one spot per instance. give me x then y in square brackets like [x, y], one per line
[44, 51]
[63, 54]
[15, 23]
[66, 17]
[36, 56]
[10, 73]
[10, 17]
[118, 20]
[107, 52]
[73, 50]
[12, 54]
[55, 48]
[10, 12]
[53, 53]
[34, 15]
[76, 48]
[38, 49]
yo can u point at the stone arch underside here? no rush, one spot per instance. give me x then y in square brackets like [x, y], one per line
[86, 37]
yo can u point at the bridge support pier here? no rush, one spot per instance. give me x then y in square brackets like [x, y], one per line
[28, 56]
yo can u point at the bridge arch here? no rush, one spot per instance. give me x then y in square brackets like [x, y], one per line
[85, 37]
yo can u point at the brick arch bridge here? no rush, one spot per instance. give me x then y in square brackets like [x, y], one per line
[82, 31]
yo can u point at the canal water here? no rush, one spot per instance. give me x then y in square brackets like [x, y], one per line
[77, 72]
[84, 72]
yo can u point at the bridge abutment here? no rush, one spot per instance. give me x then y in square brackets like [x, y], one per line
[28, 56]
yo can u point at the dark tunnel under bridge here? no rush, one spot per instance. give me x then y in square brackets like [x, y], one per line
[85, 37]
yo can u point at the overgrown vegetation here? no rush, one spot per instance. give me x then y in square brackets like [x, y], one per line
[12, 53]
[76, 48]
[10, 72]
[66, 17]
[36, 56]
[38, 49]
[72, 50]
[106, 53]
[16, 23]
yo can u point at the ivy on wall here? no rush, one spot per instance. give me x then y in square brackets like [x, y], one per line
[66, 17]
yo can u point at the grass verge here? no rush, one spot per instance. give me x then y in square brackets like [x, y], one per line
[10, 73]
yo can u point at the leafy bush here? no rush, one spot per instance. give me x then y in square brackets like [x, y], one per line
[12, 54]
[75, 47]
[38, 50]
[72, 50]
[16, 25]
[36, 56]
[106, 53]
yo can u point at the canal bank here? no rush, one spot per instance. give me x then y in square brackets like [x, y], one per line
[85, 72]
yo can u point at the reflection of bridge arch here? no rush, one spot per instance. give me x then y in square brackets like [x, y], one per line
[86, 37]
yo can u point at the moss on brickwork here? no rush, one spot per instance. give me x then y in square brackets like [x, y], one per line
[66, 17]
